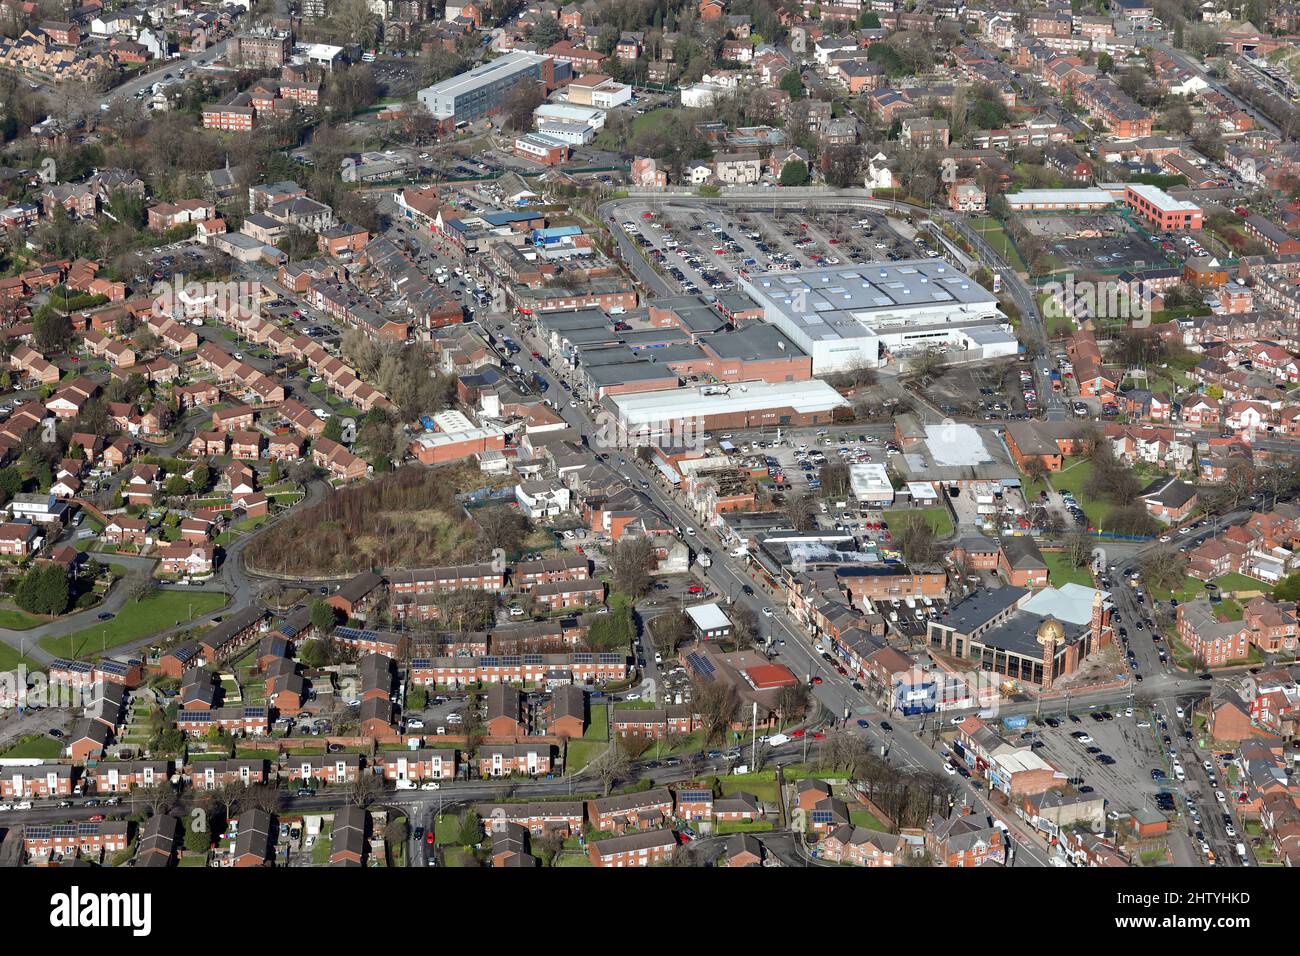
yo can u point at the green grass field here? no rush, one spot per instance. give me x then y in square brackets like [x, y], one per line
[761, 785]
[1061, 572]
[47, 748]
[583, 752]
[598, 728]
[938, 517]
[16, 620]
[9, 659]
[136, 620]
[1232, 582]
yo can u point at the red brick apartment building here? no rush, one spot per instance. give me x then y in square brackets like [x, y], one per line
[649, 848]
[1162, 211]
[559, 816]
[558, 595]
[631, 810]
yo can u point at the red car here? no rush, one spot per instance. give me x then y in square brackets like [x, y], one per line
[796, 733]
[818, 735]
[96, 818]
[430, 839]
[695, 589]
[647, 215]
[817, 680]
[834, 242]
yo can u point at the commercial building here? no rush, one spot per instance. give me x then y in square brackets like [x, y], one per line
[1161, 210]
[1059, 200]
[486, 88]
[865, 315]
[541, 148]
[651, 417]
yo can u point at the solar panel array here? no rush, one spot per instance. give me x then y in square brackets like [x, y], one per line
[700, 665]
[77, 667]
[356, 634]
[694, 796]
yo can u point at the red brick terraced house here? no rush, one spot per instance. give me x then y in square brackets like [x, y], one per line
[514, 759]
[329, 769]
[419, 765]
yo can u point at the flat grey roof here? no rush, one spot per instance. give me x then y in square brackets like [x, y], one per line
[969, 613]
[857, 300]
[754, 342]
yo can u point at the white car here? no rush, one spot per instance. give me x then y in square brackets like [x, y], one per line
[415, 724]
[1220, 796]
[1085, 739]
[431, 785]
[767, 612]
[950, 770]
[23, 805]
[4, 807]
[690, 532]
[632, 697]
[956, 720]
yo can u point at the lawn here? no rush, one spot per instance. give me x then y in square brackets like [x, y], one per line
[320, 852]
[136, 620]
[939, 519]
[16, 620]
[1061, 572]
[447, 830]
[598, 729]
[761, 785]
[1233, 581]
[459, 856]
[865, 818]
[742, 826]
[46, 748]
[10, 659]
[583, 752]
[1191, 588]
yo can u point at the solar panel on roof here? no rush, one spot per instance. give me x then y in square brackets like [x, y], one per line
[823, 816]
[489, 662]
[532, 658]
[511, 661]
[583, 658]
[701, 665]
[421, 662]
[610, 658]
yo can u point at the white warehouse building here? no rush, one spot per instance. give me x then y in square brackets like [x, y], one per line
[868, 314]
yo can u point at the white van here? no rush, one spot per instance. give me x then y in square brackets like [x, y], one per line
[1179, 772]
[777, 740]
[1241, 852]
[406, 785]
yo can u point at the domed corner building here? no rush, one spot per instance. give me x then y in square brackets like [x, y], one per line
[1030, 638]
